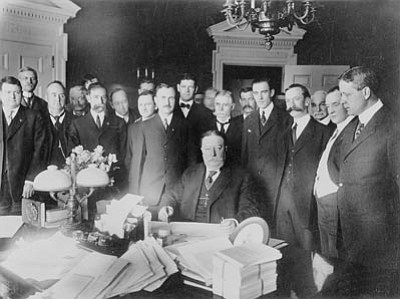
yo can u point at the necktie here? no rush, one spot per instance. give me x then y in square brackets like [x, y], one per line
[183, 105]
[294, 134]
[57, 122]
[360, 127]
[222, 127]
[165, 124]
[263, 118]
[10, 117]
[98, 122]
[209, 179]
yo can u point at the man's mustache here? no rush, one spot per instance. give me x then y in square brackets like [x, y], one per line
[294, 108]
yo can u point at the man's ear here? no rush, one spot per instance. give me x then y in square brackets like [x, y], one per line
[195, 90]
[366, 92]
[233, 106]
[308, 101]
[272, 92]
[178, 88]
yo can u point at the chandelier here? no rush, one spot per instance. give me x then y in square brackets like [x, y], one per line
[268, 18]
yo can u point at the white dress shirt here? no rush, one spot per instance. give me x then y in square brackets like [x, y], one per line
[101, 116]
[125, 118]
[8, 113]
[60, 120]
[214, 177]
[301, 123]
[323, 183]
[226, 124]
[185, 111]
[267, 111]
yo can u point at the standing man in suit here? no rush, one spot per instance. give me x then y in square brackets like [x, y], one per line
[229, 127]
[319, 110]
[101, 127]
[368, 195]
[120, 104]
[57, 122]
[212, 190]
[325, 189]
[160, 151]
[247, 101]
[296, 214]
[199, 117]
[29, 80]
[261, 130]
[22, 148]
[78, 104]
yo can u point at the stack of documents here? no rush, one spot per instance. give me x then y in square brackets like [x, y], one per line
[145, 266]
[195, 259]
[245, 272]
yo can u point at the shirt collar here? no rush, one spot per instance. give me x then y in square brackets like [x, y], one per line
[267, 110]
[61, 117]
[169, 118]
[126, 117]
[94, 115]
[343, 124]
[302, 121]
[325, 121]
[366, 115]
[8, 111]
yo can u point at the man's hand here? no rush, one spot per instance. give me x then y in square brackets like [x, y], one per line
[165, 213]
[28, 190]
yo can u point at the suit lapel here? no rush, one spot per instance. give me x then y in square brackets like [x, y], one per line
[306, 136]
[272, 119]
[17, 122]
[175, 123]
[369, 130]
[220, 184]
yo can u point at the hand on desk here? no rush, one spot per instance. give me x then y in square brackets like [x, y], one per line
[165, 213]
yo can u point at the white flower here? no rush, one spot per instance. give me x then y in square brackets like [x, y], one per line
[99, 150]
[112, 158]
[78, 149]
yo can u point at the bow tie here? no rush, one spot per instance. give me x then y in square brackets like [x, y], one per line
[225, 123]
[183, 105]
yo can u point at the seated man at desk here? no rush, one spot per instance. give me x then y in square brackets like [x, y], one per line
[211, 191]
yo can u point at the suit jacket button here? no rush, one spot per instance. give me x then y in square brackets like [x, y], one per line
[259, 172]
[340, 184]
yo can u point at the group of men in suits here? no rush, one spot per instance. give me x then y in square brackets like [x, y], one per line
[329, 187]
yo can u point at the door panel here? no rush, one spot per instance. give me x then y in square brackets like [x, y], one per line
[15, 55]
[314, 77]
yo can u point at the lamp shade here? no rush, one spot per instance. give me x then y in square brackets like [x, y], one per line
[52, 180]
[92, 177]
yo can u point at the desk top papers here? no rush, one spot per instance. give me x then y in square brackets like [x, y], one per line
[9, 225]
[144, 266]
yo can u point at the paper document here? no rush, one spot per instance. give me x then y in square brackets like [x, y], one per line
[9, 225]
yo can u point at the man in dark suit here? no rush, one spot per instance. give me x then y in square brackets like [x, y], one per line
[212, 191]
[29, 80]
[78, 104]
[230, 128]
[198, 116]
[120, 104]
[57, 122]
[247, 101]
[261, 130]
[296, 214]
[101, 127]
[22, 148]
[368, 195]
[325, 189]
[159, 150]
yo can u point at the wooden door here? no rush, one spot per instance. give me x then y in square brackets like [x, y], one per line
[15, 55]
[314, 77]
